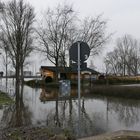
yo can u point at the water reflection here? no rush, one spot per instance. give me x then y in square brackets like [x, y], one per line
[47, 94]
[126, 110]
[44, 107]
[17, 114]
[64, 113]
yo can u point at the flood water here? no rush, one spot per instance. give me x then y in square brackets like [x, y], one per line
[44, 107]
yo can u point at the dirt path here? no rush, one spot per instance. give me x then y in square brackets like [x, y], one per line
[47, 134]
[118, 135]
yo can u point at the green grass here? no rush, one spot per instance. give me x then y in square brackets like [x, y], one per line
[5, 99]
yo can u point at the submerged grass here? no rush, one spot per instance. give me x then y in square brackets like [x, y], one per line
[5, 99]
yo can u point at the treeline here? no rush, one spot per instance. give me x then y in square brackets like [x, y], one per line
[124, 60]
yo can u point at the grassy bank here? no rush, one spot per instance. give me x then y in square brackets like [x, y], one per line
[36, 133]
[130, 92]
[113, 80]
[35, 83]
[41, 83]
[5, 99]
[110, 80]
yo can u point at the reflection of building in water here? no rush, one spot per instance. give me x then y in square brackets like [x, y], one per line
[125, 112]
[47, 95]
[65, 115]
[52, 94]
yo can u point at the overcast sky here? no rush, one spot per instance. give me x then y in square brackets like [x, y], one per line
[123, 16]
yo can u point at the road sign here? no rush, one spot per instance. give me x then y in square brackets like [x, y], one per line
[84, 51]
[79, 52]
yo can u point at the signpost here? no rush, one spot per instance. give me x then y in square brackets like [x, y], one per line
[84, 51]
[79, 52]
[79, 84]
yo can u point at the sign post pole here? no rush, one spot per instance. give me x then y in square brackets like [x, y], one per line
[79, 86]
[79, 52]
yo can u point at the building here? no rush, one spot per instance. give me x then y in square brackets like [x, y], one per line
[67, 72]
[11, 73]
[27, 73]
[1, 73]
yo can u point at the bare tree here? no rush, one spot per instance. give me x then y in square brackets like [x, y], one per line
[16, 33]
[128, 48]
[61, 28]
[55, 34]
[125, 58]
[113, 63]
[134, 58]
[6, 62]
[93, 31]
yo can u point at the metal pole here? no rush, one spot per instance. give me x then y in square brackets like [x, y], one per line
[6, 67]
[79, 86]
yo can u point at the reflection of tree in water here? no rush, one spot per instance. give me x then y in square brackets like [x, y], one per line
[91, 124]
[1, 106]
[127, 110]
[17, 114]
[65, 116]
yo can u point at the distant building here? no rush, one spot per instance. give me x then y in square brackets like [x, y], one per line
[10, 73]
[1, 73]
[67, 72]
[27, 73]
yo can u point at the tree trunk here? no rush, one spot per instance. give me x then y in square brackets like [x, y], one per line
[56, 71]
[22, 75]
[17, 81]
[17, 94]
